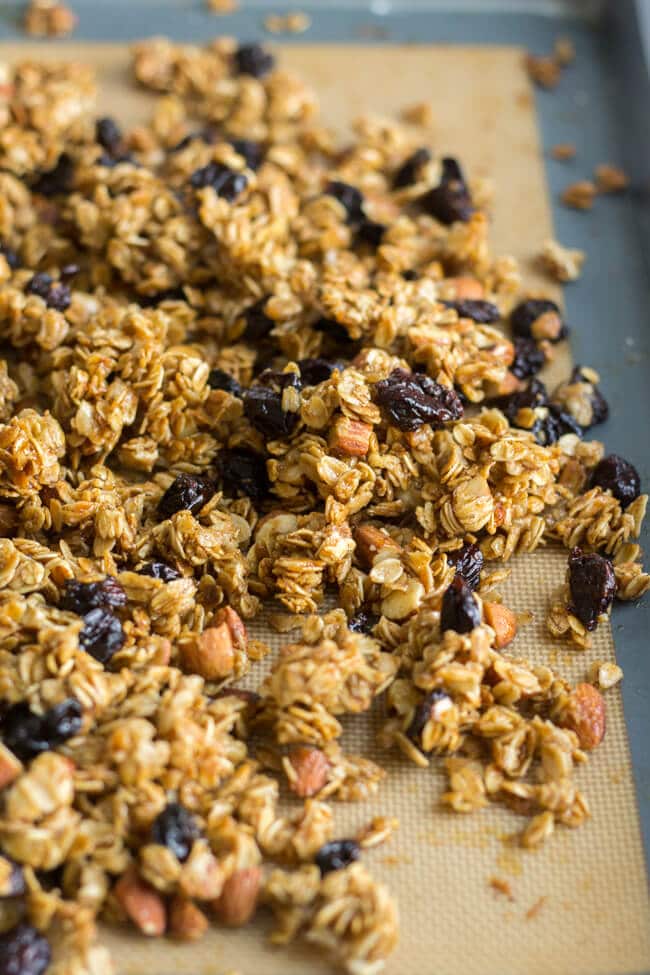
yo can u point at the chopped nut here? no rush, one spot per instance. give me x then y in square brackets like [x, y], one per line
[564, 151]
[350, 437]
[238, 900]
[611, 179]
[186, 921]
[503, 621]
[211, 655]
[605, 675]
[370, 541]
[142, 904]
[561, 262]
[580, 195]
[544, 71]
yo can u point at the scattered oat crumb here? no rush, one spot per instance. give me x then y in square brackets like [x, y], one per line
[611, 179]
[562, 263]
[379, 830]
[580, 195]
[502, 886]
[605, 675]
[420, 113]
[564, 51]
[544, 71]
[564, 151]
[45, 18]
[533, 911]
[222, 6]
[294, 22]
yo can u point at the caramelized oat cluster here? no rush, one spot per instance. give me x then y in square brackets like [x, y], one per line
[242, 365]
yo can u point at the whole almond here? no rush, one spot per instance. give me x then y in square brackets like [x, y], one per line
[186, 921]
[142, 904]
[312, 770]
[503, 621]
[369, 541]
[586, 715]
[238, 899]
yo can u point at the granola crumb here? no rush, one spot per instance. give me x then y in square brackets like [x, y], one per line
[562, 263]
[605, 675]
[222, 6]
[611, 179]
[535, 909]
[46, 18]
[564, 51]
[419, 113]
[580, 195]
[502, 886]
[564, 151]
[543, 71]
[294, 22]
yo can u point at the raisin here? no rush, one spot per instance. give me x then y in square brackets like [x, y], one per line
[363, 621]
[39, 284]
[253, 59]
[483, 312]
[102, 634]
[258, 323]
[224, 181]
[411, 399]
[108, 134]
[57, 180]
[460, 610]
[81, 597]
[10, 255]
[549, 423]
[615, 474]
[410, 170]
[526, 313]
[425, 711]
[189, 492]
[24, 951]
[219, 379]
[468, 562]
[336, 855]
[528, 359]
[370, 232]
[593, 586]
[177, 829]
[159, 570]
[263, 405]
[315, 371]
[349, 197]
[243, 473]
[28, 734]
[15, 883]
[59, 297]
[450, 200]
[252, 152]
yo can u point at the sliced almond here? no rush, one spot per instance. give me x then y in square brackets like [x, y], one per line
[238, 899]
[186, 921]
[211, 655]
[350, 437]
[142, 904]
[503, 621]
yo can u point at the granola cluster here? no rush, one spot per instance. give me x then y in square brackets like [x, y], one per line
[245, 367]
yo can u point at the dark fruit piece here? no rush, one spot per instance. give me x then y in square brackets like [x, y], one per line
[159, 570]
[56, 180]
[337, 855]
[39, 284]
[409, 171]
[28, 734]
[102, 634]
[315, 371]
[14, 885]
[593, 586]
[58, 297]
[219, 379]
[189, 492]
[615, 474]
[425, 711]
[410, 275]
[582, 399]
[243, 473]
[528, 360]
[349, 197]
[108, 134]
[450, 200]
[460, 610]
[169, 294]
[10, 256]
[363, 621]
[411, 399]
[252, 152]
[468, 562]
[263, 404]
[254, 60]
[549, 423]
[526, 313]
[24, 951]
[81, 597]
[370, 232]
[224, 181]
[334, 331]
[106, 159]
[483, 312]
[176, 828]
[258, 323]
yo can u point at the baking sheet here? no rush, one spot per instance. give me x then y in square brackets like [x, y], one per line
[594, 916]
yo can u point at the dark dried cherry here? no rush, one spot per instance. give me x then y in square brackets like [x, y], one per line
[425, 711]
[370, 232]
[219, 379]
[459, 610]
[159, 570]
[177, 829]
[54, 295]
[243, 473]
[81, 597]
[335, 332]
[349, 197]
[526, 313]
[39, 284]
[468, 562]
[263, 404]
[252, 152]
[56, 180]
[337, 855]
[188, 492]
[478, 310]
[108, 134]
[102, 634]
[615, 474]
[528, 360]
[451, 199]
[225, 182]
[254, 60]
[258, 323]
[410, 170]
[592, 584]
[24, 951]
[363, 621]
[411, 399]
[28, 734]
[317, 370]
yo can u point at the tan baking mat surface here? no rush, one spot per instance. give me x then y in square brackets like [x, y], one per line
[594, 914]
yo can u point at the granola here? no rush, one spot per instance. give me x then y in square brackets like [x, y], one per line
[241, 367]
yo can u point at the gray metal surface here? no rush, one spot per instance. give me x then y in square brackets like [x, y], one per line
[605, 110]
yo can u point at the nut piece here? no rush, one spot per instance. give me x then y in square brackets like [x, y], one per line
[211, 655]
[605, 675]
[311, 769]
[235, 624]
[611, 179]
[141, 903]
[562, 263]
[369, 541]
[350, 437]
[546, 326]
[543, 71]
[580, 195]
[585, 714]
[564, 151]
[186, 921]
[239, 896]
[464, 288]
[10, 767]
[503, 621]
